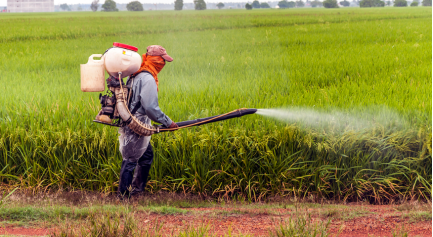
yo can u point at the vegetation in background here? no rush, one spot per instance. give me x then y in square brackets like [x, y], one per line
[427, 3]
[199, 5]
[345, 3]
[248, 6]
[300, 3]
[94, 6]
[48, 139]
[65, 7]
[414, 4]
[178, 5]
[264, 5]
[109, 6]
[316, 4]
[255, 4]
[220, 5]
[134, 6]
[400, 3]
[371, 3]
[286, 4]
[330, 4]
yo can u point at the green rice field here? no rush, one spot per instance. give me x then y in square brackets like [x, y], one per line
[373, 64]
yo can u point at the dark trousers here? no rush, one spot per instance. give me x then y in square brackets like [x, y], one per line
[134, 182]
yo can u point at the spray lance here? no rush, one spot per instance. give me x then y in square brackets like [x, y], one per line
[121, 61]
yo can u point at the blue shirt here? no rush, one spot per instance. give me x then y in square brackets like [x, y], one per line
[144, 89]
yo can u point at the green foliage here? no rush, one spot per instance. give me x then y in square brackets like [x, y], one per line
[48, 139]
[286, 4]
[256, 4]
[302, 226]
[300, 3]
[345, 3]
[330, 4]
[178, 5]
[371, 3]
[264, 5]
[248, 6]
[109, 6]
[427, 3]
[400, 3]
[65, 7]
[220, 5]
[94, 5]
[414, 4]
[316, 4]
[199, 5]
[134, 6]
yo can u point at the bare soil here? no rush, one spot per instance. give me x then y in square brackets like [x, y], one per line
[353, 220]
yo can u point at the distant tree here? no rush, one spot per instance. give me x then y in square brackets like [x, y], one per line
[248, 6]
[300, 3]
[79, 8]
[330, 4]
[400, 3]
[94, 6]
[345, 3]
[178, 5]
[316, 4]
[414, 4]
[199, 5]
[371, 3]
[256, 4]
[283, 4]
[388, 3]
[109, 6]
[426, 3]
[264, 5]
[220, 5]
[134, 6]
[65, 7]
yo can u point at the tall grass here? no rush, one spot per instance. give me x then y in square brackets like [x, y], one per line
[351, 60]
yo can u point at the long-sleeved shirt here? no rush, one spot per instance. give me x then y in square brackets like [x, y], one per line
[144, 89]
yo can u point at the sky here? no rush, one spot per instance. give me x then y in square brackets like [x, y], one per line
[57, 2]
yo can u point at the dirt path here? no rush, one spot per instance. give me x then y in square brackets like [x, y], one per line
[348, 220]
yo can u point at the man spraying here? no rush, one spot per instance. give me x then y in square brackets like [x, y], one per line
[136, 150]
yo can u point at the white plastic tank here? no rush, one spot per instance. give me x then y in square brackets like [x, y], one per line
[122, 58]
[92, 74]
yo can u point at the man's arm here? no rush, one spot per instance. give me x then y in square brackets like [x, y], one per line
[149, 101]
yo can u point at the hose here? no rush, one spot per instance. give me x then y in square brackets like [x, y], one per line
[146, 130]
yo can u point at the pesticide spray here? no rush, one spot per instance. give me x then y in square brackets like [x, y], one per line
[337, 121]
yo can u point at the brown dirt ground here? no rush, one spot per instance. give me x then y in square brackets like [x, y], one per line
[368, 220]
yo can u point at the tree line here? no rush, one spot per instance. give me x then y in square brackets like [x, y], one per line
[110, 5]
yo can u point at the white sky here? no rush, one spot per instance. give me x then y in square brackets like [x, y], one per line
[57, 2]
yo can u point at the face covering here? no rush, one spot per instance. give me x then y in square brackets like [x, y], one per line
[153, 65]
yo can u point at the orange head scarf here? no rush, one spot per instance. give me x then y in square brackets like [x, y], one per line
[153, 65]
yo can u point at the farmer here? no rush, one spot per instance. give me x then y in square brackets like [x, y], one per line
[136, 150]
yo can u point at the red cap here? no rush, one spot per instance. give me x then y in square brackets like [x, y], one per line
[125, 46]
[158, 50]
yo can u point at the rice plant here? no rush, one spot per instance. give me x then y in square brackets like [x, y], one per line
[355, 61]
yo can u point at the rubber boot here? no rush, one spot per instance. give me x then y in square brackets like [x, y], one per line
[142, 171]
[126, 176]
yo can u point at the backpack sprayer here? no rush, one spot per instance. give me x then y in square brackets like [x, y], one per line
[121, 61]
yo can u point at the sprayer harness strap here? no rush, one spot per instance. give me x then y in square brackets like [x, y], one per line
[137, 106]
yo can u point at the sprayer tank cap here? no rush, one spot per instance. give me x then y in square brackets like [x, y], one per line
[125, 46]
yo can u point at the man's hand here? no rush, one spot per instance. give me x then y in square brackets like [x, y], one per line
[174, 125]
